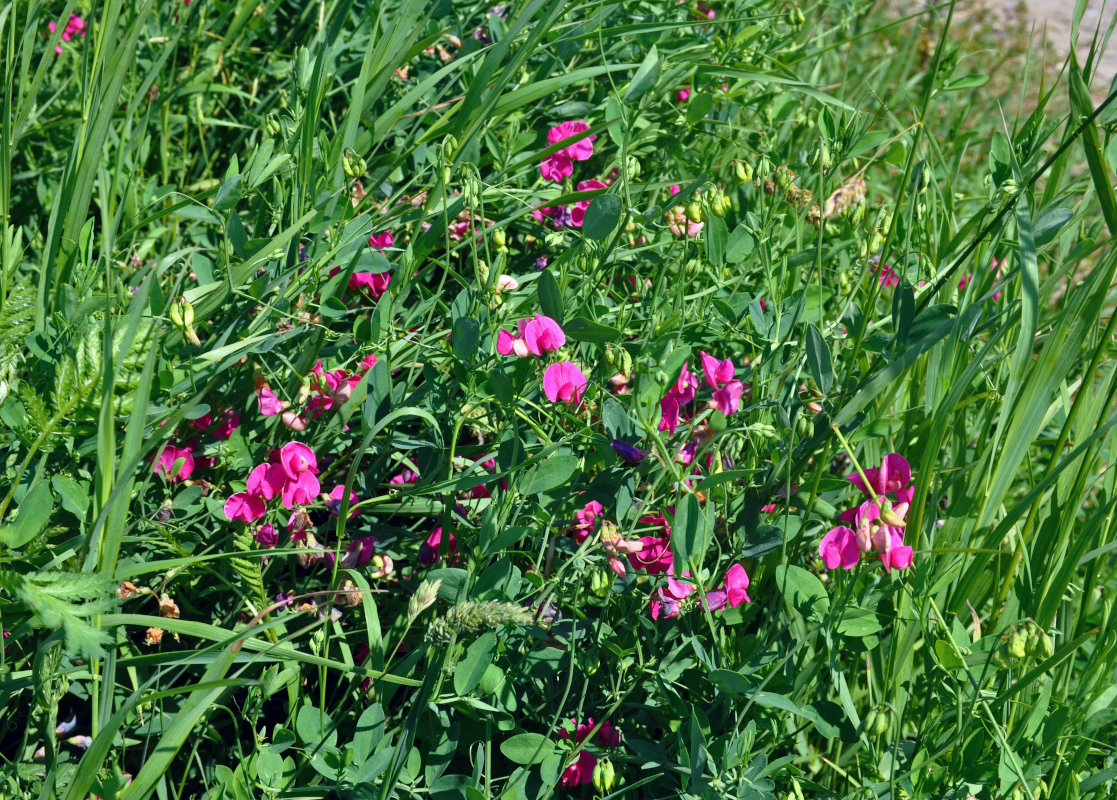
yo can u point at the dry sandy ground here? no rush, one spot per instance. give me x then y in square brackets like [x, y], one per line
[1057, 16]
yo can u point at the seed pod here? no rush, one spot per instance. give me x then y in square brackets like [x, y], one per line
[881, 723]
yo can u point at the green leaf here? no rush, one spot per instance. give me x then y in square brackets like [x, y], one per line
[818, 360]
[857, 623]
[740, 244]
[550, 298]
[581, 329]
[602, 216]
[314, 726]
[228, 194]
[691, 531]
[804, 591]
[698, 106]
[34, 512]
[716, 236]
[75, 497]
[527, 748]
[471, 668]
[1050, 221]
[549, 474]
[464, 337]
[645, 77]
[971, 81]
[332, 308]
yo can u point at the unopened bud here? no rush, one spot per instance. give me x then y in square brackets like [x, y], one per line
[604, 776]
[694, 211]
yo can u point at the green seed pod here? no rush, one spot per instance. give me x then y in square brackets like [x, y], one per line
[601, 582]
[871, 719]
[1017, 645]
[625, 361]
[695, 212]
[718, 205]
[632, 168]
[604, 776]
[999, 658]
[744, 171]
[500, 238]
[1046, 645]
[882, 723]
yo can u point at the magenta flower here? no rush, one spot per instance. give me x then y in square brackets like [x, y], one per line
[297, 459]
[728, 397]
[608, 736]
[581, 771]
[578, 210]
[375, 283]
[542, 335]
[585, 516]
[682, 95]
[428, 550]
[888, 277]
[736, 582]
[839, 546]
[359, 552]
[381, 240]
[301, 491]
[333, 505]
[668, 413]
[266, 535]
[666, 601]
[686, 386]
[717, 372]
[270, 405]
[164, 463]
[244, 507]
[556, 167]
[226, 425]
[266, 481]
[893, 475]
[654, 555]
[564, 382]
[576, 151]
[898, 555]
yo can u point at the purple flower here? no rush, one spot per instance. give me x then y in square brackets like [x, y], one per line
[628, 452]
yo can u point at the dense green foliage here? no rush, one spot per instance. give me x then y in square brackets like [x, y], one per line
[229, 226]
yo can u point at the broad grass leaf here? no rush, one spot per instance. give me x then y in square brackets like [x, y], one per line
[645, 77]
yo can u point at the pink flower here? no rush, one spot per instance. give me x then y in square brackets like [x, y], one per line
[270, 405]
[654, 555]
[556, 167]
[962, 284]
[542, 335]
[686, 386]
[381, 240]
[429, 550]
[576, 151]
[564, 382]
[266, 481]
[893, 475]
[581, 771]
[405, 477]
[728, 397]
[898, 556]
[359, 552]
[164, 463]
[301, 491]
[226, 425]
[997, 268]
[298, 459]
[333, 505]
[888, 277]
[668, 413]
[585, 516]
[839, 546]
[736, 582]
[666, 601]
[682, 95]
[608, 736]
[717, 372]
[244, 507]
[376, 283]
[509, 345]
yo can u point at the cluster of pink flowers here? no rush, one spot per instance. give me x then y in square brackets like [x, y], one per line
[563, 381]
[570, 216]
[879, 522]
[726, 396]
[327, 390]
[666, 601]
[677, 221]
[290, 473]
[560, 164]
[75, 26]
[163, 463]
[581, 771]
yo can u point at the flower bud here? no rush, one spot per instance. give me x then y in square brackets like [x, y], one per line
[500, 238]
[744, 171]
[1046, 645]
[1017, 645]
[881, 723]
[695, 212]
[424, 598]
[601, 582]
